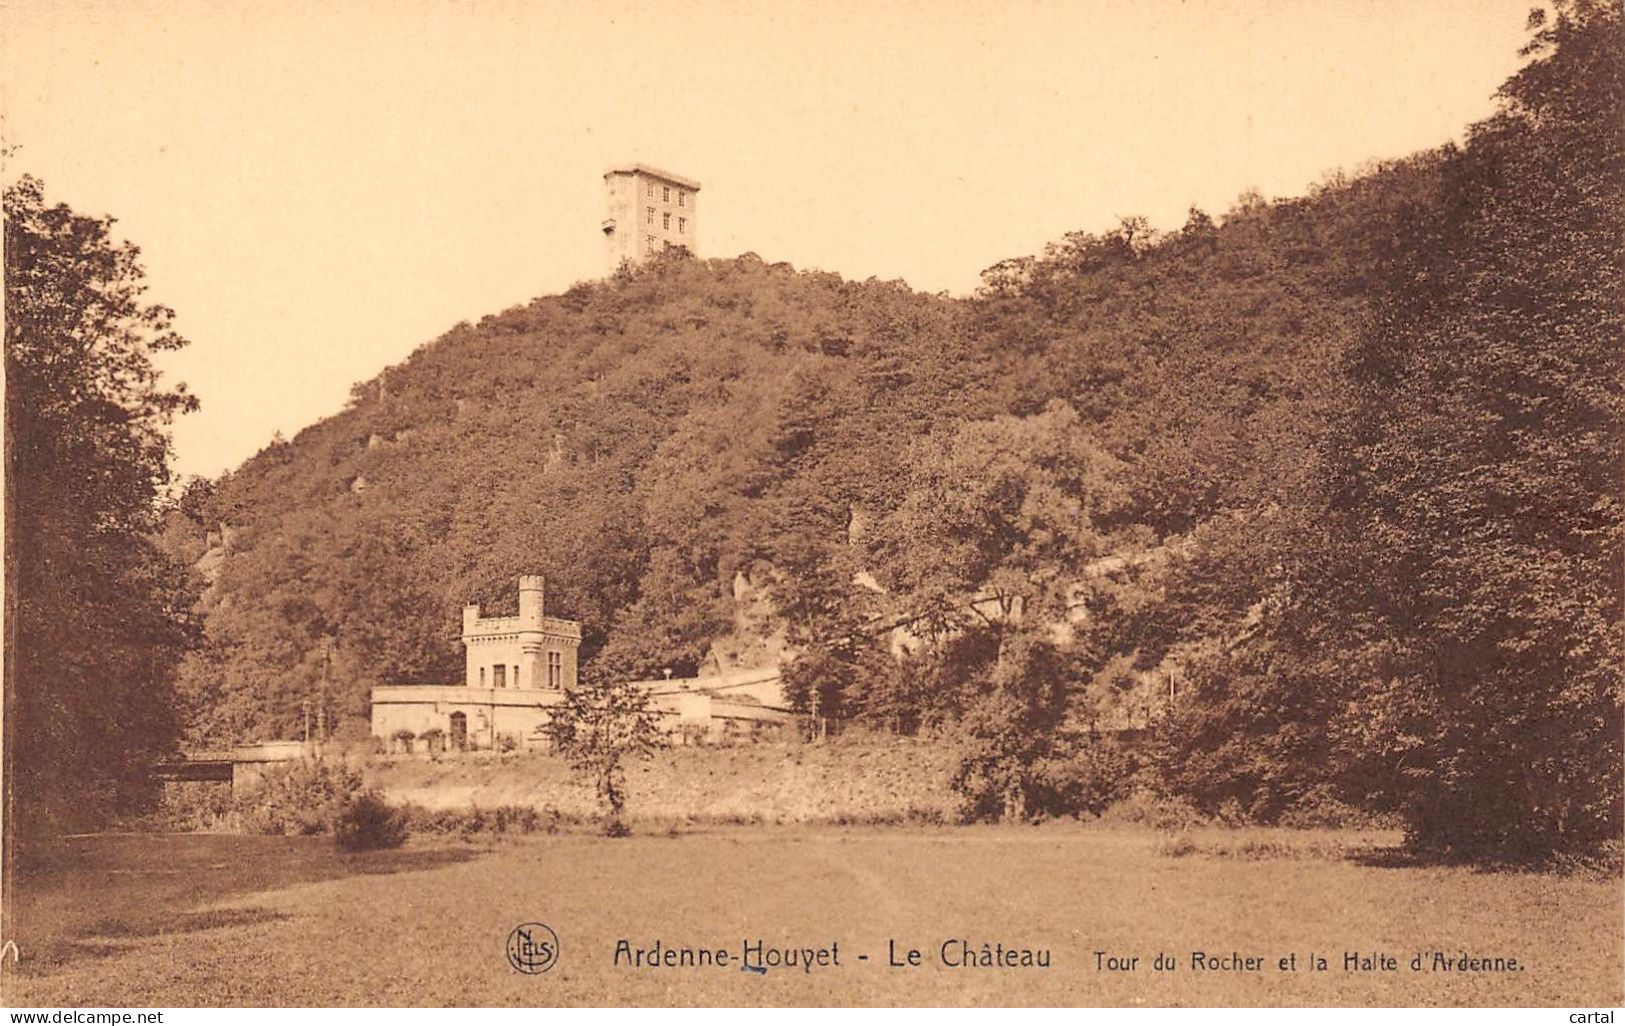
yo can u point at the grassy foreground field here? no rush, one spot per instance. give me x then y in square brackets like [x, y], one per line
[198, 919]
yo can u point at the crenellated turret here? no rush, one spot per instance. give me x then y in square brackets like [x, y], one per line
[530, 602]
[531, 638]
[530, 651]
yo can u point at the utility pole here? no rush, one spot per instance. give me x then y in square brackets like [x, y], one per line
[321, 709]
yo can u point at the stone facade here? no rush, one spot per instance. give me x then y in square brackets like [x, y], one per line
[648, 210]
[466, 717]
[741, 704]
[528, 652]
[515, 668]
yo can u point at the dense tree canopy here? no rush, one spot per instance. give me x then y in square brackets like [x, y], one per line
[1442, 636]
[1485, 462]
[96, 616]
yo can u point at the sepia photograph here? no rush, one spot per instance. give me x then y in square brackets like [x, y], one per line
[812, 503]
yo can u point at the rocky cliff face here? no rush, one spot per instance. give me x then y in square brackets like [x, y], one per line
[758, 636]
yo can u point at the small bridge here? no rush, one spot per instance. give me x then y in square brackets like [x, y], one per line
[241, 767]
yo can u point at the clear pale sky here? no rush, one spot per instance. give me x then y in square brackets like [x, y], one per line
[319, 188]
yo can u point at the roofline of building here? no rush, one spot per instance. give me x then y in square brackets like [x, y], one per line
[653, 172]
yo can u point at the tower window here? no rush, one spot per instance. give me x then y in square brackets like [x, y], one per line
[555, 670]
[649, 189]
[681, 198]
[649, 215]
[499, 676]
[665, 194]
[665, 221]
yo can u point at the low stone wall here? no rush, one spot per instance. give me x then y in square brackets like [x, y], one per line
[842, 781]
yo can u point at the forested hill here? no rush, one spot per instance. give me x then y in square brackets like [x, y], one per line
[644, 439]
[1346, 465]
[633, 437]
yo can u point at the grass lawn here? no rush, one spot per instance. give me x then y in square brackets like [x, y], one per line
[214, 920]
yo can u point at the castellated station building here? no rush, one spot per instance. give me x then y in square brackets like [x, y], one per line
[517, 668]
[649, 211]
[514, 668]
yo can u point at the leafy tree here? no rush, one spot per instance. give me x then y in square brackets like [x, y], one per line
[1431, 627]
[1483, 464]
[97, 618]
[669, 626]
[994, 514]
[998, 521]
[599, 728]
[1012, 724]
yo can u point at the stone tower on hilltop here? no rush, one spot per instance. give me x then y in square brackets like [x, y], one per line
[649, 210]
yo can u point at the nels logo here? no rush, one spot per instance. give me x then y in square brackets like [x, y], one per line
[533, 948]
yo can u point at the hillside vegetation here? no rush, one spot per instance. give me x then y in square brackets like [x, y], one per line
[644, 439]
[1344, 467]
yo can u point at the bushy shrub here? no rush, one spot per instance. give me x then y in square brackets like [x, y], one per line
[1242, 738]
[1075, 776]
[433, 821]
[1146, 808]
[502, 819]
[1177, 846]
[306, 797]
[369, 822]
[1088, 780]
[987, 782]
[1231, 814]
[185, 806]
[1320, 808]
[920, 816]
[321, 796]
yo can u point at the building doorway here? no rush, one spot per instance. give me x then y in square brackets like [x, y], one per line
[459, 731]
